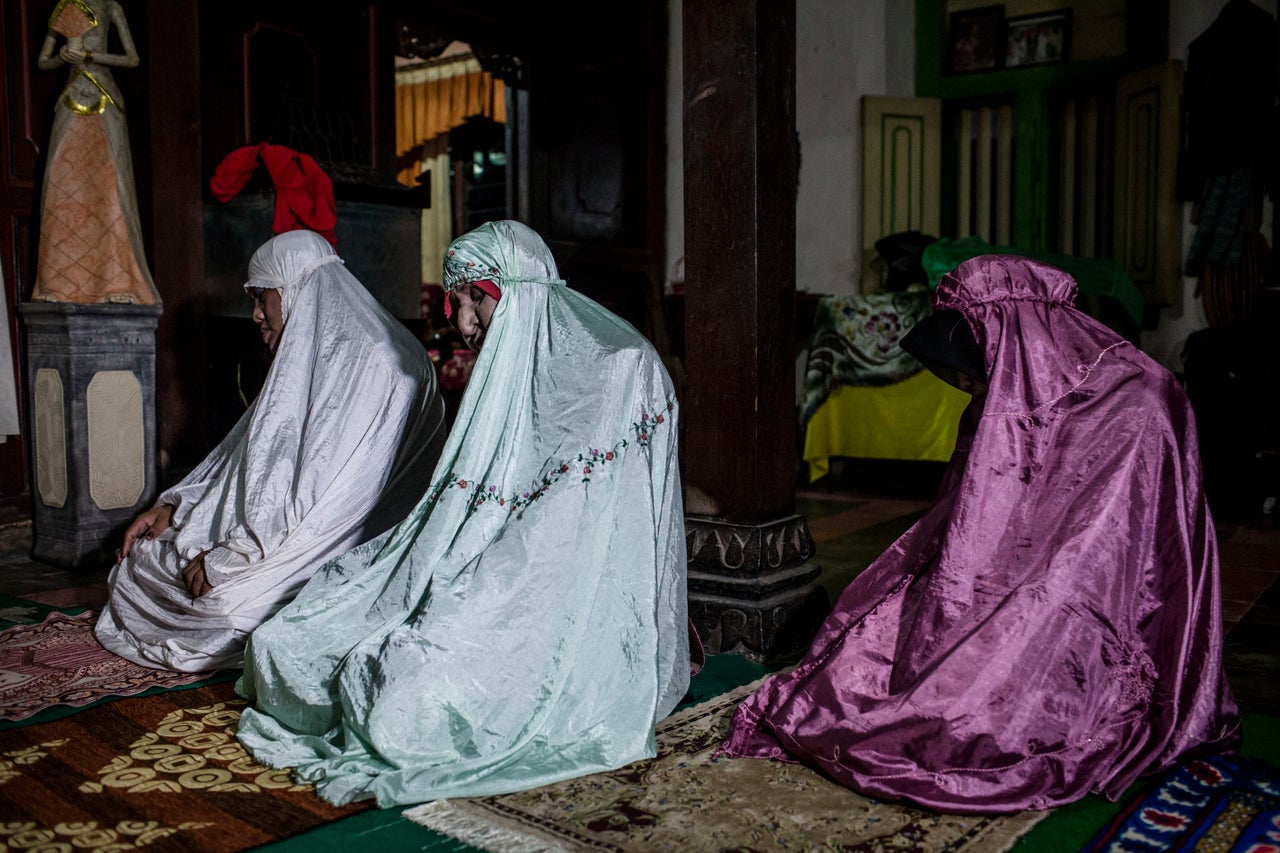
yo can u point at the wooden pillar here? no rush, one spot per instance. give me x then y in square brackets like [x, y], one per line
[751, 587]
[172, 63]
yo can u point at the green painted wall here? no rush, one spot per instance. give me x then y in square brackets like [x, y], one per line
[1030, 90]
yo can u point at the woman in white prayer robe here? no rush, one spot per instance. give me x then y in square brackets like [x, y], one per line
[338, 446]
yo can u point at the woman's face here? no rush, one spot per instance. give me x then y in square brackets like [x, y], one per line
[267, 314]
[969, 385]
[472, 311]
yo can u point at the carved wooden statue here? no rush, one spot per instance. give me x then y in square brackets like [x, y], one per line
[90, 237]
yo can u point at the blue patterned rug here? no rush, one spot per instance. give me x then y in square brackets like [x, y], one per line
[1222, 803]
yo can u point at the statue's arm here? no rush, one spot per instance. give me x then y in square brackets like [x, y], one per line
[48, 60]
[127, 59]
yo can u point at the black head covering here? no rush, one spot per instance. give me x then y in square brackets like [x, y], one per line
[902, 254]
[944, 343]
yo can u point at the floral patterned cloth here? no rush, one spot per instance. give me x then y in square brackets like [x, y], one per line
[855, 342]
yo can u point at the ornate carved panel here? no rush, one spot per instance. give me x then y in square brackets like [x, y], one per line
[117, 439]
[752, 588]
[747, 550]
[49, 414]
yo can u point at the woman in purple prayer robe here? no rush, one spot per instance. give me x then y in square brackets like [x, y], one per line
[1052, 626]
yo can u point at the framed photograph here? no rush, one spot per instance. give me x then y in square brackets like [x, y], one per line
[975, 40]
[1038, 39]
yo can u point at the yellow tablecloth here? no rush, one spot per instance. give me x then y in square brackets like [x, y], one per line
[913, 419]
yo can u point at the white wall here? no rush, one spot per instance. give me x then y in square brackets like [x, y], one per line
[1187, 20]
[844, 50]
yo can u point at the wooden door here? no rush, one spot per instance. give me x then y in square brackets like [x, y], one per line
[1148, 223]
[901, 173]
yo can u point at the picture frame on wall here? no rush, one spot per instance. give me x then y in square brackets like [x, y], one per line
[1040, 39]
[975, 40]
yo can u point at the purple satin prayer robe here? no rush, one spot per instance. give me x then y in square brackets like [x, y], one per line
[1052, 627]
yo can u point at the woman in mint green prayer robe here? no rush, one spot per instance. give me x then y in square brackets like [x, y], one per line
[527, 622]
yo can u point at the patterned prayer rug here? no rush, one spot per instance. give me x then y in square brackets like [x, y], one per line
[684, 800]
[60, 662]
[1222, 803]
[163, 772]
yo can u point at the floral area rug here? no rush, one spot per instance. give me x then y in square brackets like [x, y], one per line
[687, 801]
[60, 662]
[1221, 803]
[163, 772]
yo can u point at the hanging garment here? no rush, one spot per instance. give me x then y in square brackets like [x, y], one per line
[1227, 157]
[527, 622]
[1052, 626]
[1228, 100]
[10, 424]
[338, 446]
[304, 193]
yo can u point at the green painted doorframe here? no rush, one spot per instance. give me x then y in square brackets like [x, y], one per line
[1030, 90]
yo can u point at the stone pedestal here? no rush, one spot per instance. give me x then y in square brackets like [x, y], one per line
[91, 376]
[752, 587]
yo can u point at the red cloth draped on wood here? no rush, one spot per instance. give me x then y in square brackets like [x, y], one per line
[304, 193]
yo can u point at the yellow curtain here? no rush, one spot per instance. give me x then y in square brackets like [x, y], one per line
[432, 100]
[437, 220]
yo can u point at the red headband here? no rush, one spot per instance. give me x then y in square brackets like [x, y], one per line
[484, 284]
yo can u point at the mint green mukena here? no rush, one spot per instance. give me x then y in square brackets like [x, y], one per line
[527, 622]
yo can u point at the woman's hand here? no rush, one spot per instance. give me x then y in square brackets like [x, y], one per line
[149, 525]
[195, 578]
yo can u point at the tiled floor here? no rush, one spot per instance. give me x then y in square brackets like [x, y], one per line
[852, 524]
[22, 577]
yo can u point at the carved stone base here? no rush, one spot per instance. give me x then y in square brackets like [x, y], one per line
[752, 589]
[91, 374]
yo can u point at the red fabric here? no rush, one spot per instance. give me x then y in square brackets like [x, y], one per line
[490, 288]
[485, 285]
[234, 172]
[304, 193]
